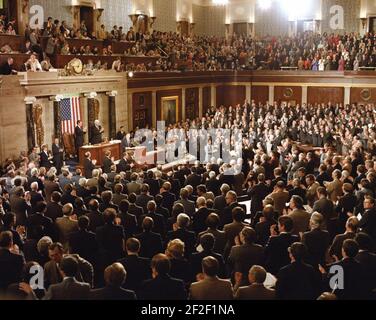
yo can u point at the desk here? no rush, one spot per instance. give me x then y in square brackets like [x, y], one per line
[98, 152]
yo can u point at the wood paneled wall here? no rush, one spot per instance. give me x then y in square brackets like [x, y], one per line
[325, 95]
[363, 95]
[260, 93]
[230, 95]
[288, 94]
[206, 99]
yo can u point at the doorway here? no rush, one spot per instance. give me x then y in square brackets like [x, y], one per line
[240, 28]
[372, 24]
[87, 15]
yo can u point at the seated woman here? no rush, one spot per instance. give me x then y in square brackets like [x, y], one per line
[33, 64]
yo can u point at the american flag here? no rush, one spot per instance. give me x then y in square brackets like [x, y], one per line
[70, 114]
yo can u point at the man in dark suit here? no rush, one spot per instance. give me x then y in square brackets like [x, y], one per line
[107, 162]
[7, 68]
[182, 233]
[212, 222]
[38, 225]
[162, 286]
[123, 165]
[83, 242]
[20, 205]
[355, 282]
[335, 249]
[138, 268]
[79, 133]
[50, 186]
[220, 201]
[298, 280]
[232, 202]
[69, 288]
[256, 290]
[128, 221]
[96, 133]
[257, 194]
[159, 222]
[189, 206]
[45, 159]
[317, 241]
[96, 218]
[324, 206]
[276, 253]
[193, 179]
[168, 197]
[368, 221]
[151, 242]
[152, 183]
[207, 243]
[144, 198]
[110, 238]
[246, 254]
[88, 166]
[133, 207]
[11, 264]
[57, 155]
[367, 258]
[54, 208]
[213, 184]
[114, 277]
[199, 218]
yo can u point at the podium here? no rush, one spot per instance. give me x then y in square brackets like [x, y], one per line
[98, 152]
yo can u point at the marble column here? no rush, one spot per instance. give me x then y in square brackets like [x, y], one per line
[112, 113]
[29, 102]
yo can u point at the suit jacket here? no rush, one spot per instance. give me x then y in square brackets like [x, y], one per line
[151, 244]
[135, 210]
[257, 194]
[317, 242]
[368, 261]
[138, 270]
[196, 263]
[244, 256]
[153, 186]
[276, 251]
[129, 223]
[110, 239]
[69, 289]
[280, 200]
[334, 189]
[199, 220]
[220, 239]
[189, 206]
[298, 281]
[356, 284]
[88, 168]
[112, 293]
[188, 237]
[85, 271]
[49, 188]
[159, 223]
[107, 163]
[263, 231]
[20, 208]
[231, 231]
[326, 208]
[11, 267]
[66, 227]
[122, 166]
[96, 220]
[96, 135]
[45, 161]
[168, 200]
[226, 213]
[78, 137]
[142, 201]
[57, 157]
[336, 247]
[213, 185]
[54, 211]
[211, 288]
[163, 287]
[38, 226]
[346, 204]
[368, 223]
[219, 202]
[255, 292]
[84, 244]
[301, 220]
[133, 187]
[118, 197]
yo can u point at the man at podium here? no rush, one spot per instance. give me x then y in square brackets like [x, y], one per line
[96, 133]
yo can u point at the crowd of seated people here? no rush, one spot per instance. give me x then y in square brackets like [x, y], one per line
[124, 232]
[305, 51]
